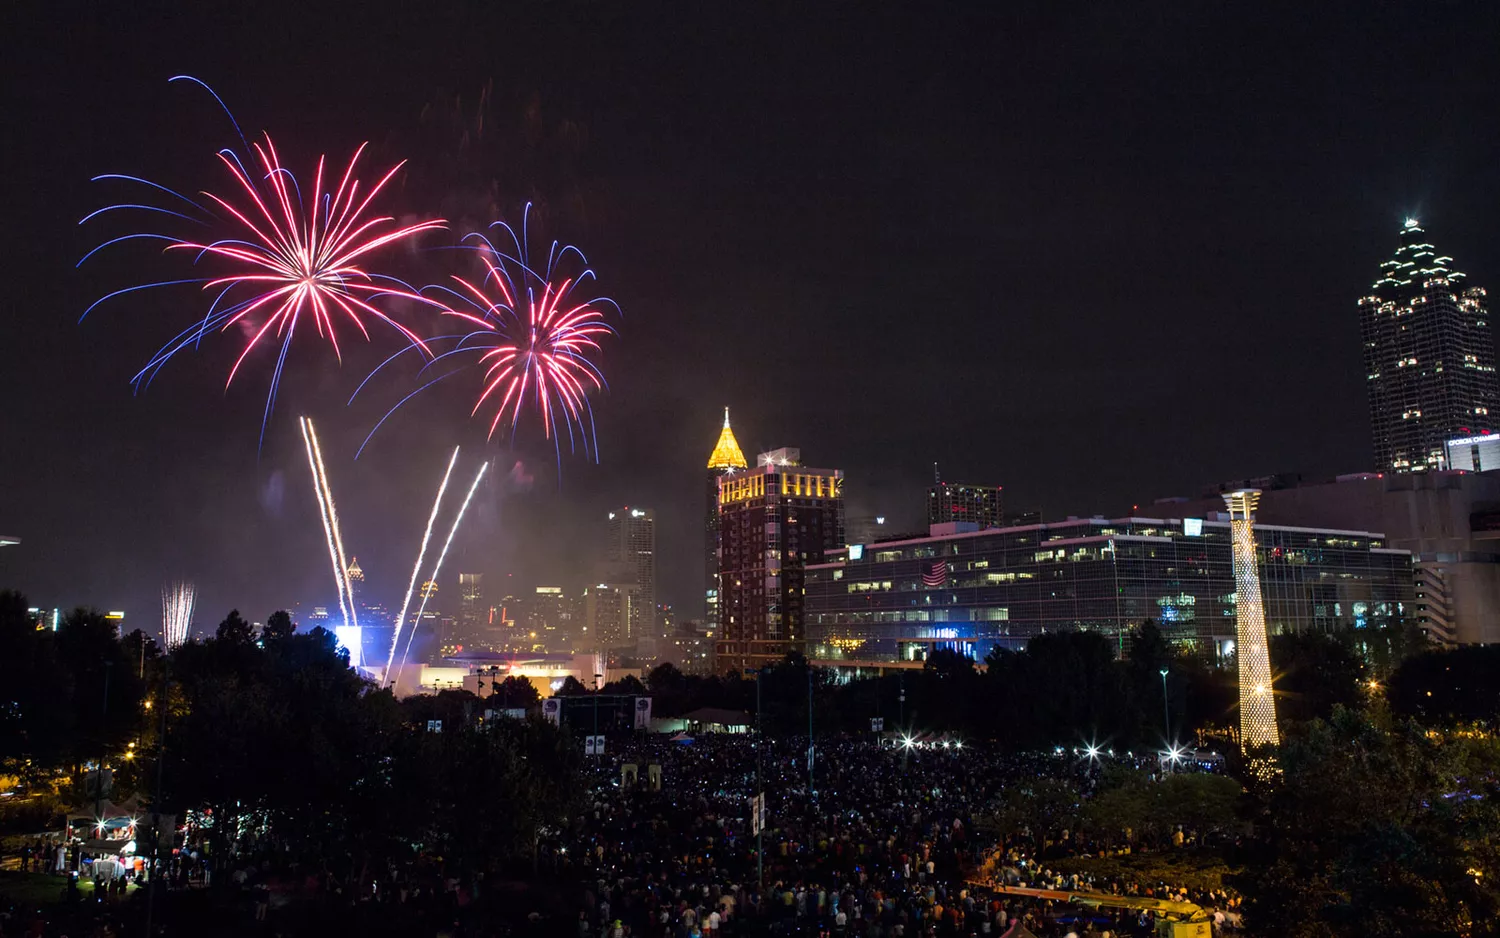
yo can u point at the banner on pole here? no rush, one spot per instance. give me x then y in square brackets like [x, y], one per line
[877, 724]
[642, 713]
[757, 813]
[552, 710]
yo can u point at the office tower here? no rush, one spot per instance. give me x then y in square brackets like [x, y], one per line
[1257, 703]
[1429, 355]
[632, 548]
[726, 459]
[356, 585]
[975, 592]
[472, 614]
[608, 610]
[1474, 453]
[548, 616]
[956, 501]
[773, 520]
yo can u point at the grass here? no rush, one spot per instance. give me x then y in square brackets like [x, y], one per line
[1197, 870]
[44, 889]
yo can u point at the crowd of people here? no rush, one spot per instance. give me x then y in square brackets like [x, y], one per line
[870, 840]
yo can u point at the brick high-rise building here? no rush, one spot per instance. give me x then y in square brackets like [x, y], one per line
[1429, 354]
[773, 521]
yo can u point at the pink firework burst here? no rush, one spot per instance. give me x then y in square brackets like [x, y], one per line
[288, 258]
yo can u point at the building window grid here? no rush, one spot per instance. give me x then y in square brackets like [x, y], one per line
[1115, 590]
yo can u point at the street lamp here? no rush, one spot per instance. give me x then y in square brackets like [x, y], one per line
[596, 706]
[1166, 713]
[755, 818]
[901, 682]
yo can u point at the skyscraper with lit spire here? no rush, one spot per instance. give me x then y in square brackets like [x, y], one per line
[726, 458]
[1429, 355]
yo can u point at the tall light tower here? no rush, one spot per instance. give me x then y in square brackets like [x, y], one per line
[1257, 703]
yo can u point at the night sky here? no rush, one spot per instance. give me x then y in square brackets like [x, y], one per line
[1097, 258]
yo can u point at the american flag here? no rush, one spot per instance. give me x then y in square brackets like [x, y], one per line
[936, 573]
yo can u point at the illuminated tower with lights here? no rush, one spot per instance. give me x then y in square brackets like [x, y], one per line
[774, 520]
[1257, 703]
[1429, 355]
[726, 458]
[632, 549]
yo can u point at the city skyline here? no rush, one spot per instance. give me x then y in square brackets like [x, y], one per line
[972, 185]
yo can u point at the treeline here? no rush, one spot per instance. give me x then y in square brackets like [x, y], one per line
[278, 735]
[1063, 688]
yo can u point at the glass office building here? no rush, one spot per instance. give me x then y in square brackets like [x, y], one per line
[899, 600]
[1429, 354]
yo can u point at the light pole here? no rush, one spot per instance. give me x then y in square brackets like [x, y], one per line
[1166, 712]
[809, 731]
[596, 708]
[760, 852]
[99, 769]
[901, 679]
[161, 755]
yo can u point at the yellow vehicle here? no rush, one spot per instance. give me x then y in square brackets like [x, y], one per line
[1173, 919]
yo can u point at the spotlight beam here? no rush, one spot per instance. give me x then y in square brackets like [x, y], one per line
[325, 510]
[426, 594]
[416, 569]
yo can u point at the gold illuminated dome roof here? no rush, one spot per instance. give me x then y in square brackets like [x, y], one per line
[727, 454]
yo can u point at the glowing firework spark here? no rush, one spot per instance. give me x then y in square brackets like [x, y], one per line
[285, 260]
[531, 336]
[427, 594]
[416, 568]
[330, 521]
[176, 613]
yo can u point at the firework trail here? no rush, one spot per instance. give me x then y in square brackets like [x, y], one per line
[531, 337]
[176, 613]
[426, 594]
[283, 260]
[421, 554]
[330, 521]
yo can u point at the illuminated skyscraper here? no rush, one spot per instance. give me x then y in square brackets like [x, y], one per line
[472, 614]
[1257, 702]
[724, 460]
[974, 504]
[773, 521]
[632, 546]
[549, 618]
[1429, 357]
[356, 581]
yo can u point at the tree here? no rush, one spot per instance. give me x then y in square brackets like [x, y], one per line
[234, 629]
[629, 685]
[278, 626]
[665, 677]
[1447, 688]
[37, 723]
[1071, 687]
[106, 686]
[571, 686]
[1378, 829]
[1314, 674]
[947, 663]
[517, 692]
